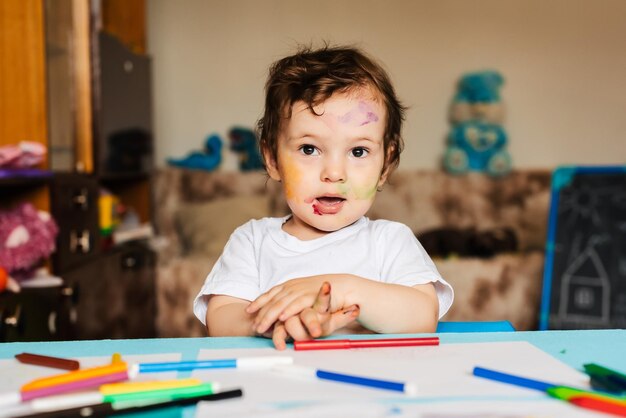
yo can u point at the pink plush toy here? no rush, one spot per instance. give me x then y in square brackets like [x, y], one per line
[26, 154]
[27, 235]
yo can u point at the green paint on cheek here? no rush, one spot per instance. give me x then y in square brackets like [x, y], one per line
[364, 192]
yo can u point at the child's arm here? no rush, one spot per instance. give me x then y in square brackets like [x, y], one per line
[226, 316]
[384, 307]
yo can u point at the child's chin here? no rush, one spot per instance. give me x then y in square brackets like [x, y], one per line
[330, 223]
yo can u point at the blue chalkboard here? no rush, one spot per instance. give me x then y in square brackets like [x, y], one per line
[584, 283]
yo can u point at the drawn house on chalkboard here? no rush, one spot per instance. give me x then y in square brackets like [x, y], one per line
[586, 290]
[585, 269]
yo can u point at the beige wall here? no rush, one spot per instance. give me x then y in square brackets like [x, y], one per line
[564, 62]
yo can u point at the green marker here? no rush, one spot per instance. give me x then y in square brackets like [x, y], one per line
[167, 394]
[566, 393]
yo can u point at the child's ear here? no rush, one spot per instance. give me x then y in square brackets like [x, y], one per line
[271, 165]
[387, 170]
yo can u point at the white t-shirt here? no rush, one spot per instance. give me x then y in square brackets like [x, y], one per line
[259, 255]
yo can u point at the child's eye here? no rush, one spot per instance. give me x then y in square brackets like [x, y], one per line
[359, 152]
[307, 149]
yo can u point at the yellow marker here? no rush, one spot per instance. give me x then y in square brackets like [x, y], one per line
[133, 387]
[116, 358]
[75, 376]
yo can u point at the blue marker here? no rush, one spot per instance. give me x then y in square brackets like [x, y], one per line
[309, 372]
[241, 363]
[512, 380]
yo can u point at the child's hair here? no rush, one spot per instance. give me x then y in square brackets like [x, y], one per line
[314, 75]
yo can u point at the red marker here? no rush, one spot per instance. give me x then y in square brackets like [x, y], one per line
[343, 344]
[601, 405]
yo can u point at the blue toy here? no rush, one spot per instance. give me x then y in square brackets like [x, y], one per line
[207, 159]
[243, 141]
[478, 146]
[477, 140]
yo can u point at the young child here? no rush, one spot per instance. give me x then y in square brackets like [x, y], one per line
[330, 134]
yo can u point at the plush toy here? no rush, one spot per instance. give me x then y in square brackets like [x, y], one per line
[243, 141]
[207, 159]
[27, 236]
[477, 146]
[477, 141]
[478, 98]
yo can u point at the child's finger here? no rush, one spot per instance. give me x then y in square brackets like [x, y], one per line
[310, 319]
[270, 313]
[296, 306]
[341, 319]
[279, 337]
[296, 329]
[322, 301]
[259, 302]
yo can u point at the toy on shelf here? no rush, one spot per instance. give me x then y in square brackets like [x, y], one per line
[208, 159]
[26, 154]
[21, 160]
[243, 141]
[477, 140]
[109, 212]
[27, 236]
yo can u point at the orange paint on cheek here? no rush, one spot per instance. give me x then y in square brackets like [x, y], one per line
[291, 176]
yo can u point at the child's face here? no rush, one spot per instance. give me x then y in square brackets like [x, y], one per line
[331, 165]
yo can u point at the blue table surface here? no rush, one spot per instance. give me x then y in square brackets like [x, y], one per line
[575, 348]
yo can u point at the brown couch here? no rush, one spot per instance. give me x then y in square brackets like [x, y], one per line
[196, 212]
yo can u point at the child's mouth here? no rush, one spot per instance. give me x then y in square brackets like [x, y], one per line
[327, 205]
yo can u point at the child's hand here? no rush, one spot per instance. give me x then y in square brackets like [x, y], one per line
[286, 300]
[313, 322]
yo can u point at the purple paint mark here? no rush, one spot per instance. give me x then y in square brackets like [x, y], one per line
[360, 116]
[370, 117]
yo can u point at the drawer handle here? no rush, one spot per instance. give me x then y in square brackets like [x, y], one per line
[80, 199]
[14, 320]
[79, 241]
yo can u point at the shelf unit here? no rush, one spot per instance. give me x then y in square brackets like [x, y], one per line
[50, 92]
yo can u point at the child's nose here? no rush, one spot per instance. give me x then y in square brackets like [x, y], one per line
[334, 171]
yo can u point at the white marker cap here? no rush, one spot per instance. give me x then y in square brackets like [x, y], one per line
[263, 362]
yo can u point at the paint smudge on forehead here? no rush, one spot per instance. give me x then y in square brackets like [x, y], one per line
[359, 116]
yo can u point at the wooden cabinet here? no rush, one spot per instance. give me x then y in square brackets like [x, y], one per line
[58, 78]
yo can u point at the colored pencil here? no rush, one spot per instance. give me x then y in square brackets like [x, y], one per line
[48, 361]
[241, 363]
[373, 343]
[309, 372]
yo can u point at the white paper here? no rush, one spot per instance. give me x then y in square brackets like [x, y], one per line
[443, 375]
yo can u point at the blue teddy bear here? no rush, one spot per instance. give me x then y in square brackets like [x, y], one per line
[477, 141]
[475, 145]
